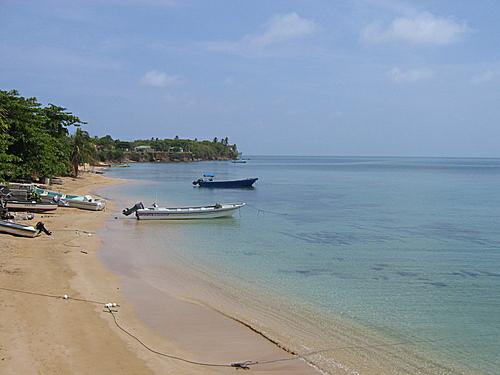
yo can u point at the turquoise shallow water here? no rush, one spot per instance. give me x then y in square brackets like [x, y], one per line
[405, 246]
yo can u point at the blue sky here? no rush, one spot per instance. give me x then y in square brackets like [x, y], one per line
[360, 77]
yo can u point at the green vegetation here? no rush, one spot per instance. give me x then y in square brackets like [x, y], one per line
[82, 150]
[109, 149]
[35, 142]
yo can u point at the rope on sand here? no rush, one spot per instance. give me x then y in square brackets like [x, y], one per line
[67, 243]
[109, 309]
[56, 296]
[78, 231]
[243, 365]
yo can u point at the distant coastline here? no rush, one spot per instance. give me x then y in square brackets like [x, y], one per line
[109, 150]
[35, 143]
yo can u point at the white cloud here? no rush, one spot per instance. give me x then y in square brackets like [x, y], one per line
[407, 76]
[281, 28]
[277, 31]
[155, 78]
[487, 76]
[423, 28]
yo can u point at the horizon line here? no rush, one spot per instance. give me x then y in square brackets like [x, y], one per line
[374, 156]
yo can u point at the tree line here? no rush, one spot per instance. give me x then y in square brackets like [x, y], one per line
[45, 141]
[109, 149]
[35, 141]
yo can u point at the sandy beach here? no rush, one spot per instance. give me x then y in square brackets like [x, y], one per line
[46, 335]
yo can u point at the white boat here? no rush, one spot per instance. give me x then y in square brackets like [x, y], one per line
[183, 213]
[22, 230]
[84, 202]
[30, 206]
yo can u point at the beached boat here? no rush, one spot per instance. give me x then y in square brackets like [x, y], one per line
[22, 230]
[30, 206]
[19, 191]
[26, 186]
[9, 202]
[209, 182]
[84, 202]
[183, 213]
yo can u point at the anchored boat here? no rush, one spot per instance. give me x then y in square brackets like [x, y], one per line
[209, 182]
[183, 213]
[22, 230]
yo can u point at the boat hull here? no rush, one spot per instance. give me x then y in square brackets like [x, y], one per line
[234, 184]
[30, 206]
[75, 201]
[17, 229]
[84, 205]
[46, 193]
[188, 213]
[16, 191]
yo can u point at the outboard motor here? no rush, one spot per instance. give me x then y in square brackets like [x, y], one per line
[41, 228]
[34, 196]
[5, 192]
[4, 214]
[131, 210]
[197, 182]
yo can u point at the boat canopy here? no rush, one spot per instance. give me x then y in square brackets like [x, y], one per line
[208, 174]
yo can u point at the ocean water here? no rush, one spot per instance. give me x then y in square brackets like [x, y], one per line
[404, 251]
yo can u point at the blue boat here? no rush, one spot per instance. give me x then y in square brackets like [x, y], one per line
[208, 182]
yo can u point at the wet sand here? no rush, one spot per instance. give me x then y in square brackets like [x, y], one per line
[52, 335]
[181, 299]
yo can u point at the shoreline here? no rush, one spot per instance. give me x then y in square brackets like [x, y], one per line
[55, 335]
[354, 347]
[51, 335]
[357, 350]
[162, 317]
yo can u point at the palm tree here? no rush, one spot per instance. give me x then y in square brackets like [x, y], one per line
[83, 150]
